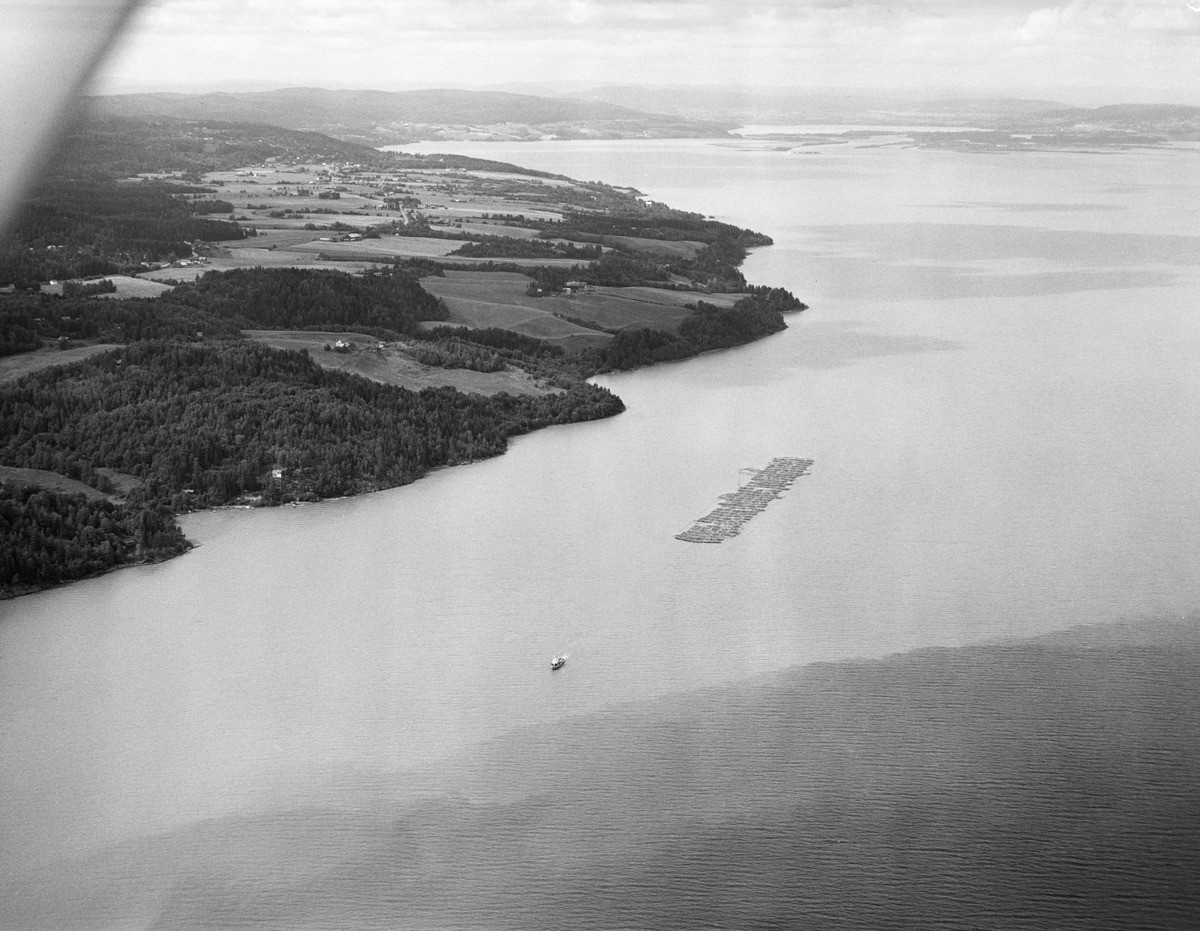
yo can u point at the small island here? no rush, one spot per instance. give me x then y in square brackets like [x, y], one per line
[198, 316]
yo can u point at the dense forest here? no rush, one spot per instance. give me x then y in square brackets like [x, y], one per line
[511, 248]
[202, 424]
[633, 217]
[220, 304]
[709, 327]
[75, 229]
[29, 320]
[52, 537]
[292, 299]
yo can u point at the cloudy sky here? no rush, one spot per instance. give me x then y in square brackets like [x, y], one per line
[396, 44]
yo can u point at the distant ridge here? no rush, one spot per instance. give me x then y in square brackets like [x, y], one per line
[1129, 112]
[303, 107]
[1150, 121]
[789, 105]
[113, 147]
[382, 117]
[1121, 123]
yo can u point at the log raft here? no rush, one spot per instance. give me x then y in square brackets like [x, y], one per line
[751, 499]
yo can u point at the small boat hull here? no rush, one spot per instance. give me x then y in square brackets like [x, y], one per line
[557, 663]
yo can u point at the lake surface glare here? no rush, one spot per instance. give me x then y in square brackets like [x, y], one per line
[875, 707]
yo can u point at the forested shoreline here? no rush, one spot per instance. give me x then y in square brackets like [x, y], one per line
[189, 413]
[79, 228]
[198, 416]
[52, 537]
[204, 423]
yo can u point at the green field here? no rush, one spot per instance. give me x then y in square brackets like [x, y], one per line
[17, 366]
[392, 366]
[483, 299]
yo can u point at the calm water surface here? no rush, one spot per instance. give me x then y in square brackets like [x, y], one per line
[997, 380]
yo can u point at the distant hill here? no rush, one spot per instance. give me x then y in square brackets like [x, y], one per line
[988, 106]
[111, 147]
[105, 148]
[383, 117]
[728, 104]
[1130, 114]
[1118, 123]
[1156, 120]
[788, 105]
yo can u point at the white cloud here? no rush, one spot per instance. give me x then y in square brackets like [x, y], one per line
[1040, 25]
[816, 42]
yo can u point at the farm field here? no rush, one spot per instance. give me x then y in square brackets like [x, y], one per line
[257, 258]
[305, 215]
[351, 218]
[10, 475]
[127, 286]
[675, 249]
[17, 366]
[498, 299]
[310, 223]
[481, 299]
[386, 247]
[494, 228]
[393, 366]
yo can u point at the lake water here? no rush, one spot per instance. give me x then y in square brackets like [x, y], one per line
[342, 715]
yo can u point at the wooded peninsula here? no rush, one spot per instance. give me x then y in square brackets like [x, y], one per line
[196, 315]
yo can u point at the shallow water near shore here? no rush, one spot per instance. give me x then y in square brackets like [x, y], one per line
[337, 715]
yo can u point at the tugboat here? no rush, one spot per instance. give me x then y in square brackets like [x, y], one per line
[557, 663]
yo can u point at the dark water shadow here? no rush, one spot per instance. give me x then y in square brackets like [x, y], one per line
[967, 242]
[830, 344]
[1030, 207]
[867, 279]
[1025, 784]
[931, 261]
